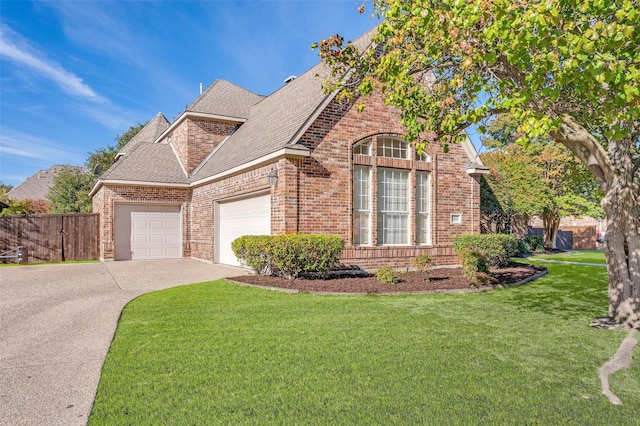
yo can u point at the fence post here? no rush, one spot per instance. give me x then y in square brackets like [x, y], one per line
[23, 255]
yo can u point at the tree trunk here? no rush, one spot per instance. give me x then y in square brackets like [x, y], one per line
[551, 223]
[617, 174]
[622, 250]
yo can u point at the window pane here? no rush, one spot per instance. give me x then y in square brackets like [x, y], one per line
[423, 157]
[393, 206]
[392, 147]
[422, 208]
[363, 148]
[361, 205]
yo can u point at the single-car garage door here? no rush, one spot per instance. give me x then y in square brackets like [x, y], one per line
[247, 216]
[147, 232]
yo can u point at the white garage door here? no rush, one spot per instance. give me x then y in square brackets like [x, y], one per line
[147, 232]
[248, 216]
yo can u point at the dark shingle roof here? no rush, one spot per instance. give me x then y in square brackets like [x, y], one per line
[148, 162]
[272, 124]
[148, 134]
[226, 99]
[36, 187]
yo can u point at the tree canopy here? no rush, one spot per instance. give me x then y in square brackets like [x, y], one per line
[70, 191]
[567, 69]
[106, 157]
[539, 177]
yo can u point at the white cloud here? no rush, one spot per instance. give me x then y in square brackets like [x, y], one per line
[20, 144]
[13, 47]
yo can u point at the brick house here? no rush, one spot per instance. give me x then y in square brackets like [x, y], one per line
[189, 188]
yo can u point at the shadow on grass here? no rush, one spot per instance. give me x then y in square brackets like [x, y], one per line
[566, 291]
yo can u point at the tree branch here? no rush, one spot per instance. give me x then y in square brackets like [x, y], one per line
[587, 148]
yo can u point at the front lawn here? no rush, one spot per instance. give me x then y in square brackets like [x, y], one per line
[584, 256]
[220, 353]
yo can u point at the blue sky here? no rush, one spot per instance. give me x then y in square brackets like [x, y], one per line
[74, 74]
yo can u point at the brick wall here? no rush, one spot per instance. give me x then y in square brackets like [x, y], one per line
[203, 207]
[324, 186]
[194, 139]
[313, 195]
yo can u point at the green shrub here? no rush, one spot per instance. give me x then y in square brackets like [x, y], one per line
[473, 263]
[387, 275]
[535, 242]
[255, 252]
[495, 249]
[289, 255]
[423, 264]
[294, 254]
[523, 247]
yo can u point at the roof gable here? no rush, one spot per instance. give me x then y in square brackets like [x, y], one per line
[148, 162]
[148, 134]
[225, 99]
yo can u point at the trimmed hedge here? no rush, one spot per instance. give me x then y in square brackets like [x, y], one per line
[496, 249]
[289, 255]
[478, 252]
[255, 252]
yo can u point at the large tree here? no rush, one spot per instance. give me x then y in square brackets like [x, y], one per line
[570, 189]
[70, 191]
[105, 157]
[567, 69]
[512, 192]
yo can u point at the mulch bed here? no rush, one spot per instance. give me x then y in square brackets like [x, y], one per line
[442, 279]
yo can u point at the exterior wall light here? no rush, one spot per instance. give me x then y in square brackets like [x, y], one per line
[272, 177]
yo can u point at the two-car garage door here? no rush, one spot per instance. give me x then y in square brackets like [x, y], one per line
[246, 216]
[147, 232]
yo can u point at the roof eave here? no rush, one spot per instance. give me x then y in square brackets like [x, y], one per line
[192, 114]
[295, 151]
[477, 171]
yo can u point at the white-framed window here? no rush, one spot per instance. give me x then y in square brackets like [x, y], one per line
[393, 206]
[456, 219]
[384, 212]
[423, 157]
[361, 205]
[392, 148]
[423, 234]
[363, 148]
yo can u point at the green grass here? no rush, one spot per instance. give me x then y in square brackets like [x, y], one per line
[218, 353]
[584, 256]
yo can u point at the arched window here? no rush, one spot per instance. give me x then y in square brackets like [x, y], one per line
[391, 198]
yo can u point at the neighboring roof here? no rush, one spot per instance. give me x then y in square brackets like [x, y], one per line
[225, 99]
[148, 162]
[37, 186]
[148, 134]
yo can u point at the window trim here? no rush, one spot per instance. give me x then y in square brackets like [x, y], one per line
[406, 200]
[414, 167]
[369, 236]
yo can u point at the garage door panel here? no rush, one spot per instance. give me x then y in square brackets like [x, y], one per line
[248, 216]
[148, 232]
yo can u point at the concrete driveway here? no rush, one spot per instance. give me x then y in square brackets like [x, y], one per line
[57, 323]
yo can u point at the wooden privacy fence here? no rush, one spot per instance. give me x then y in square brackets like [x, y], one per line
[573, 237]
[51, 238]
